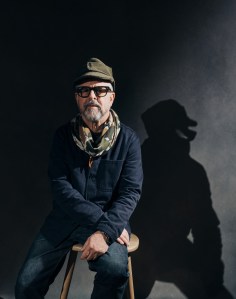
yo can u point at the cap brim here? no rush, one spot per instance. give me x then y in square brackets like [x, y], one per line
[191, 122]
[94, 75]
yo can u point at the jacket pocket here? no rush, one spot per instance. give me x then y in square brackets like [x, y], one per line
[108, 174]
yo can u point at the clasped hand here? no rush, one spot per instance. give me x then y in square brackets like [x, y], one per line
[96, 245]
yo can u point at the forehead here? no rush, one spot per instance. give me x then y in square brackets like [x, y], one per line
[94, 83]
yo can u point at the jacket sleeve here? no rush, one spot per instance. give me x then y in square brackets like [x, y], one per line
[65, 196]
[128, 192]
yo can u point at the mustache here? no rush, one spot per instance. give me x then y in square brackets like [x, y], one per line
[91, 103]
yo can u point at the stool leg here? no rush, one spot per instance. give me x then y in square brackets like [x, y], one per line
[131, 283]
[69, 273]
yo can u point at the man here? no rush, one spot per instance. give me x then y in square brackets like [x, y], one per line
[96, 176]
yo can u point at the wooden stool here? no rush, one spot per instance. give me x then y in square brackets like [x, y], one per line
[133, 245]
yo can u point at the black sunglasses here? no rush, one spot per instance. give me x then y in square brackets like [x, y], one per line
[100, 91]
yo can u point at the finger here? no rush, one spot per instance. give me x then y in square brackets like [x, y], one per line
[124, 237]
[92, 257]
[85, 255]
[95, 256]
[125, 240]
[127, 243]
[84, 246]
[120, 241]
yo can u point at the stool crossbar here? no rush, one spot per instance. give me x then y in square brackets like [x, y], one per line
[133, 245]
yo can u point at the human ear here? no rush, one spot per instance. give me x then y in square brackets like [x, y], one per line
[76, 97]
[112, 97]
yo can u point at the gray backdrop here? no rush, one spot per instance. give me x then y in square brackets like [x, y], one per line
[184, 50]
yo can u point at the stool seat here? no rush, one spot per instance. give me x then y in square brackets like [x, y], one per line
[77, 247]
[133, 245]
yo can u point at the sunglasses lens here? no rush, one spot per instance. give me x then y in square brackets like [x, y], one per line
[83, 91]
[101, 91]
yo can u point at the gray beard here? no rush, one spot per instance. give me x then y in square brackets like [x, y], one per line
[92, 116]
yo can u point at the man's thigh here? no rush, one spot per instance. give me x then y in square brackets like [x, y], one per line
[43, 261]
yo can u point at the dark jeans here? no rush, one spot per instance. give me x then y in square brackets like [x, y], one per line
[44, 261]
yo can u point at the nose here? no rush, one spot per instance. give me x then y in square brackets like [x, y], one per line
[92, 94]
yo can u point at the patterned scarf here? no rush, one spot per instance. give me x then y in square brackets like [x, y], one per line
[84, 139]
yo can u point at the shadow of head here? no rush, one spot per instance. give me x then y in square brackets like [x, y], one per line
[168, 118]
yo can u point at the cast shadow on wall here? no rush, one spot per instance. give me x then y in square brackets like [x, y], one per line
[180, 238]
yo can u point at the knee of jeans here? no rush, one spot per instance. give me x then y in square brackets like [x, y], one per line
[113, 269]
[117, 269]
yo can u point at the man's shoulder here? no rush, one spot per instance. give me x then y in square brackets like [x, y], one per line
[129, 134]
[62, 131]
[63, 127]
[126, 129]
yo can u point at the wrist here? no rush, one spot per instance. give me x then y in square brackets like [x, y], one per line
[105, 236]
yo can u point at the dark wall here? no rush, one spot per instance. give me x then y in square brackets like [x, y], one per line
[183, 50]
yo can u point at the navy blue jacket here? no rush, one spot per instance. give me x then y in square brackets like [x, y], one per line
[102, 196]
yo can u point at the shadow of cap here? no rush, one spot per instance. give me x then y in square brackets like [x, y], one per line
[168, 116]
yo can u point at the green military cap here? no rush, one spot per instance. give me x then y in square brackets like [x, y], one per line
[95, 69]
